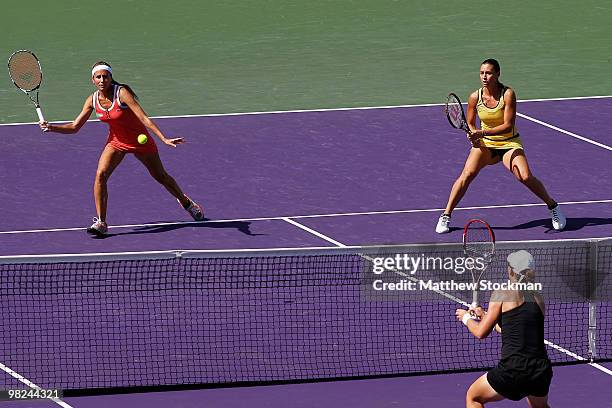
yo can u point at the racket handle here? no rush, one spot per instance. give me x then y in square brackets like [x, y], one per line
[40, 114]
[41, 118]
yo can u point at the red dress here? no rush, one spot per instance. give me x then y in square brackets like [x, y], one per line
[123, 126]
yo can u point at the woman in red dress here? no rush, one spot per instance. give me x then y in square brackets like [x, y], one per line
[116, 105]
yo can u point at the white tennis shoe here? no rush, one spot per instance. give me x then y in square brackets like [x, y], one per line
[443, 224]
[98, 228]
[194, 209]
[558, 219]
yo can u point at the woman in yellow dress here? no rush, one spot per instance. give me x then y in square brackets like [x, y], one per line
[497, 140]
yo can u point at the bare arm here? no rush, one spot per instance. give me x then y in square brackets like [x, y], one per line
[497, 327]
[471, 111]
[481, 329]
[75, 125]
[127, 98]
[479, 311]
[509, 117]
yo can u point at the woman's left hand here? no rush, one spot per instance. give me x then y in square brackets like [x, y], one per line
[477, 134]
[459, 313]
[174, 142]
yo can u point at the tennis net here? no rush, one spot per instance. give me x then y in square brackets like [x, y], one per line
[165, 319]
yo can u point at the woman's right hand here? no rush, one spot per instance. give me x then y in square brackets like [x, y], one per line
[474, 139]
[44, 126]
[478, 312]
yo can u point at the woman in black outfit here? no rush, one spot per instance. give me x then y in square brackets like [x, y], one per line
[524, 369]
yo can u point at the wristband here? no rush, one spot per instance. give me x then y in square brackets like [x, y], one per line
[466, 317]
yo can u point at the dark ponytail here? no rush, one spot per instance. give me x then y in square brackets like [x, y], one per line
[126, 86]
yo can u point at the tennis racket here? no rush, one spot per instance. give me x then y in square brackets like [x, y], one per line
[454, 113]
[25, 72]
[478, 242]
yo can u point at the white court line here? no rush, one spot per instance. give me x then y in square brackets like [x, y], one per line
[447, 295]
[558, 129]
[162, 224]
[323, 110]
[482, 207]
[314, 232]
[571, 98]
[30, 384]
[601, 368]
[577, 357]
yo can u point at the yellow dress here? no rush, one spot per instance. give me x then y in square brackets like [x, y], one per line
[492, 117]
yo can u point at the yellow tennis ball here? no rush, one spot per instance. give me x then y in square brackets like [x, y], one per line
[142, 139]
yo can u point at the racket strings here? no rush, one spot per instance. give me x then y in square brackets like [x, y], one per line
[25, 71]
[478, 241]
[454, 111]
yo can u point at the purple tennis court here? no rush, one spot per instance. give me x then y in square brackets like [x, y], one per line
[289, 181]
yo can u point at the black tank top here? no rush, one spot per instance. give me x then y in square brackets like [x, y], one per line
[523, 330]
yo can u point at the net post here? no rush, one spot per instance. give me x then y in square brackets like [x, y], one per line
[592, 331]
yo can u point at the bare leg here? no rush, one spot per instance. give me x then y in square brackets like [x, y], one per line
[108, 162]
[516, 162]
[481, 392]
[476, 160]
[153, 163]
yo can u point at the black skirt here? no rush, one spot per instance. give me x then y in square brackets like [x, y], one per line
[516, 377]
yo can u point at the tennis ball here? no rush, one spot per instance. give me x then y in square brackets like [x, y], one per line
[142, 139]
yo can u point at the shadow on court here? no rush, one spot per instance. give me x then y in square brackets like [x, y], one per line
[241, 226]
[573, 224]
